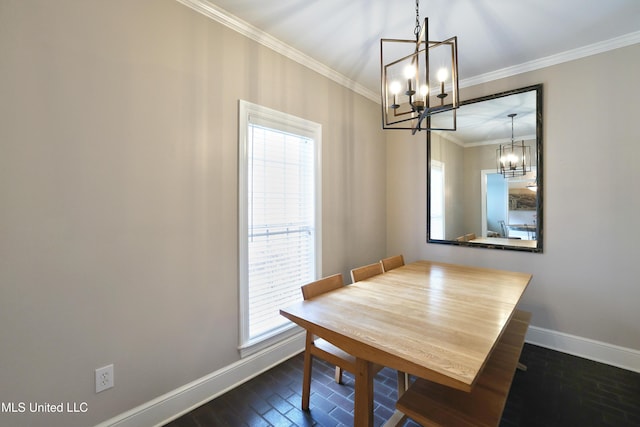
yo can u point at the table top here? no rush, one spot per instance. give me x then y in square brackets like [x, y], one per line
[524, 227]
[507, 242]
[435, 320]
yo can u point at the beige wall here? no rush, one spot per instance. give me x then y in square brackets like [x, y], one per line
[118, 195]
[586, 281]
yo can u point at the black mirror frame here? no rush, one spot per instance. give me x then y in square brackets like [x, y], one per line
[539, 176]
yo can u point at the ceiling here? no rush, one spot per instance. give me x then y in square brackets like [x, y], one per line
[488, 122]
[494, 36]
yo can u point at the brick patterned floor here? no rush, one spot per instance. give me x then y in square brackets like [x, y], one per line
[556, 390]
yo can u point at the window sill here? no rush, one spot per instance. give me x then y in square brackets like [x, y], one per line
[267, 340]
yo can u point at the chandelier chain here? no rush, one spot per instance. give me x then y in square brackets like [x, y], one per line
[418, 28]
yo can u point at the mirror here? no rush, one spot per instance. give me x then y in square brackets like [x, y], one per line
[471, 201]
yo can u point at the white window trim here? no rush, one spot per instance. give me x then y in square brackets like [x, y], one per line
[262, 115]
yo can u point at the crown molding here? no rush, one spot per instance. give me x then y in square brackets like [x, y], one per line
[220, 15]
[233, 22]
[559, 58]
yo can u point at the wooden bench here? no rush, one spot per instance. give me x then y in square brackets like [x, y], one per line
[432, 404]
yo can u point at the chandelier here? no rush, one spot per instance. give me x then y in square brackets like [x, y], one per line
[410, 91]
[513, 159]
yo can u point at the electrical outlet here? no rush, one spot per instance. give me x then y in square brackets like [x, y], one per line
[104, 378]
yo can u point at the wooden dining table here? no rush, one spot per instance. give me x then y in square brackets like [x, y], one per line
[434, 320]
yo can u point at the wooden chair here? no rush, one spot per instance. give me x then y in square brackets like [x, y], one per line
[433, 404]
[366, 271]
[317, 347]
[392, 262]
[505, 230]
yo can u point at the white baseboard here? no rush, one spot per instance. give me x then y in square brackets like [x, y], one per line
[598, 351]
[182, 400]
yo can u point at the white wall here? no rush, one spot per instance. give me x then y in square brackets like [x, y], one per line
[586, 282]
[118, 195]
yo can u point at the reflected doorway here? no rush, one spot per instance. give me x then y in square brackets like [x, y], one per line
[508, 206]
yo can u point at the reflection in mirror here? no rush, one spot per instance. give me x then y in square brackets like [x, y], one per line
[470, 202]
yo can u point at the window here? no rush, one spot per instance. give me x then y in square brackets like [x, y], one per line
[437, 200]
[279, 229]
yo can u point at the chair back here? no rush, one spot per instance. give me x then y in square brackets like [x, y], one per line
[503, 227]
[392, 262]
[366, 271]
[322, 286]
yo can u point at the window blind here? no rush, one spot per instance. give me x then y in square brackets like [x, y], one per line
[281, 231]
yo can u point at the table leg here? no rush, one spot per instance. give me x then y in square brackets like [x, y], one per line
[396, 420]
[363, 411]
[403, 383]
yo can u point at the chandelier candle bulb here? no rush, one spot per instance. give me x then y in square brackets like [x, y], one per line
[442, 77]
[409, 72]
[424, 91]
[410, 92]
[394, 88]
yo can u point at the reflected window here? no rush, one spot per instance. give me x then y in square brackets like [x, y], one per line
[437, 200]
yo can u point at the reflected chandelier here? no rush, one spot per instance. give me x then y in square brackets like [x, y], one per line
[513, 159]
[410, 92]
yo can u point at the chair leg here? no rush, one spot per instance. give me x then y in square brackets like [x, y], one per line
[338, 375]
[306, 373]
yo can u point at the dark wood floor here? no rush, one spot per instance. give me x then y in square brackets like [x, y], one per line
[556, 390]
